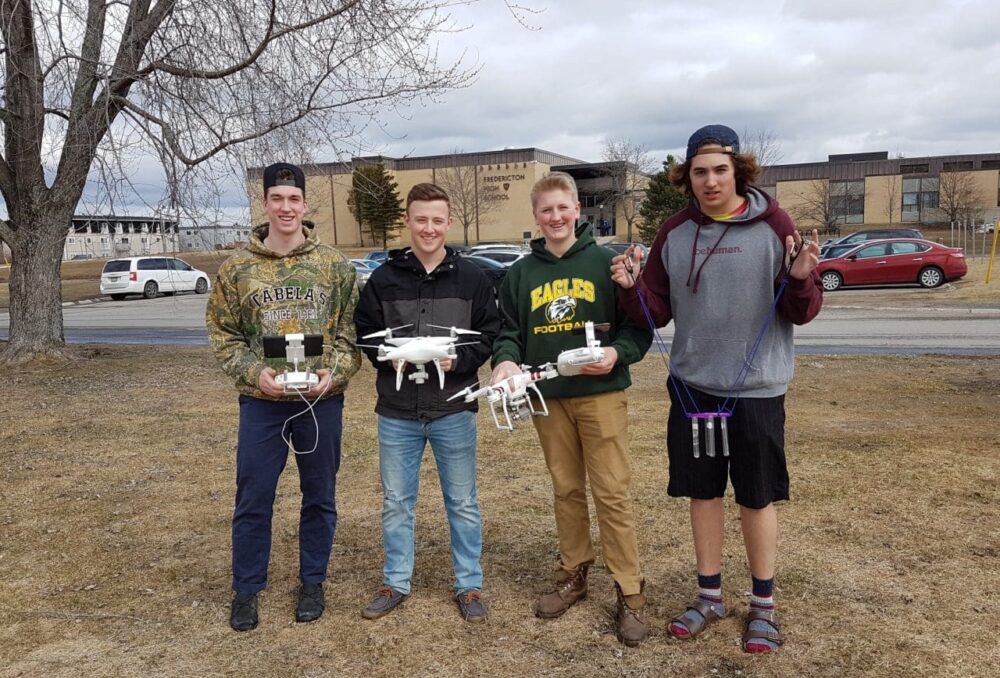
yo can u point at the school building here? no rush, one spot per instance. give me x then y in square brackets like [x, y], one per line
[501, 180]
[862, 189]
[846, 191]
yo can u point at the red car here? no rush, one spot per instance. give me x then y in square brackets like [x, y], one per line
[894, 261]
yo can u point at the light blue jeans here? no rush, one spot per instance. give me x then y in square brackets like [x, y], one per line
[401, 449]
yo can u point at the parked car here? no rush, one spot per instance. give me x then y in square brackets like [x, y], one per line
[872, 234]
[833, 251]
[149, 276]
[503, 257]
[370, 264]
[494, 271]
[496, 246]
[377, 256]
[363, 270]
[895, 261]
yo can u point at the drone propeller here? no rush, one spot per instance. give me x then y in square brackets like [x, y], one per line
[455, 331]
[387, 333]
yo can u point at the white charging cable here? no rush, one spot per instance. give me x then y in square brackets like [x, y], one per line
[309, 409]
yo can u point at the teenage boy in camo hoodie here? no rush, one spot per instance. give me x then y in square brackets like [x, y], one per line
[714, 269]
[284, 282]
[557, 288]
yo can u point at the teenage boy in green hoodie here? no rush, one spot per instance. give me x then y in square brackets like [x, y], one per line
[545, 296]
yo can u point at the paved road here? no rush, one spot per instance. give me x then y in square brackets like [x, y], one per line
[838, 329]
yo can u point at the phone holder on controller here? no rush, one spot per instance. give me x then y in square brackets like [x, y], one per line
[295, 348]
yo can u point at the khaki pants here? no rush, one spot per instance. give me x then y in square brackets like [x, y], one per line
[585, 438]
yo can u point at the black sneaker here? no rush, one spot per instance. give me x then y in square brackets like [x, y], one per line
[312, 602]
[385, 601]
[471, 605]
[243, 612]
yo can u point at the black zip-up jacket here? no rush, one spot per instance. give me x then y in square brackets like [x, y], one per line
[455, 294]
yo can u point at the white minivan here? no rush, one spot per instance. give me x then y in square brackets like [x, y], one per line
[149, 276]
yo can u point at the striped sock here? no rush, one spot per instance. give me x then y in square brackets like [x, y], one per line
[761, 599]
[709, 590]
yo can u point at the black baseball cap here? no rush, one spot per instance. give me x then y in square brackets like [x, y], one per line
[713, 134]
[275, 175]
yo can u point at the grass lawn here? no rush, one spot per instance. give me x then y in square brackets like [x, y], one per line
[117, 483]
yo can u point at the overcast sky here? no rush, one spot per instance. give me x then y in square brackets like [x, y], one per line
[911, 77]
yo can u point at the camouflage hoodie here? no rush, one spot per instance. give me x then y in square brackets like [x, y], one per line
[259, 292]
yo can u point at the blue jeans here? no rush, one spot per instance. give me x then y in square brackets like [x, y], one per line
[261, 455]
[401, 449]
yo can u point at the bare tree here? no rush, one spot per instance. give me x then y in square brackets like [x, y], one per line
[628, 166]
[958, 196]
[892, 197]
[92, 88]
[468, 202]
[813, 206]
[763, 143]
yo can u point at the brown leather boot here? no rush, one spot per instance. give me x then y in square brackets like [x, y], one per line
[629, 626]
[571, 586]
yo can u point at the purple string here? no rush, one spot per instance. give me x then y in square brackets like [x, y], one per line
[747, 362]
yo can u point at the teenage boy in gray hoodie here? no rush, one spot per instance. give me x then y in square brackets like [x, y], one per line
[716, 269]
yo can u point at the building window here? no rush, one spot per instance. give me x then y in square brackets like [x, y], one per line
[918, 194]
[956, 166]
[915, 168]
[847, 201]
[125, 241]
[71, 241]
[991, 164]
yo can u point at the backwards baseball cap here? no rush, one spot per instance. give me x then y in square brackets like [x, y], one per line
[716, 135]
[284, 174]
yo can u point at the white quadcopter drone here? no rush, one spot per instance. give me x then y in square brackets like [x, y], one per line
[514, 395]
[418, 351]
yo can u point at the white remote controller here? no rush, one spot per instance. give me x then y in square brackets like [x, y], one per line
[570, 362]
[294, 382]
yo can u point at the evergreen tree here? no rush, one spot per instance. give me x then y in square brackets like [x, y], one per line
[375, 203]
[662, 200]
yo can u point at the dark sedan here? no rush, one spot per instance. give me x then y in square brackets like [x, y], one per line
[493, 270]
[893, 262]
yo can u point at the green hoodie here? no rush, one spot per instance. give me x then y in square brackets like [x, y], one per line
[545, 297]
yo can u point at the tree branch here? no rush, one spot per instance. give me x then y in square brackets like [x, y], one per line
[269, 37]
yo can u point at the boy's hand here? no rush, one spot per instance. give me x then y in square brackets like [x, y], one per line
[805, 253]
[446, 364]
[322, 387]
[603, 367]
[625, 267]
[504, 370]
[267, 384]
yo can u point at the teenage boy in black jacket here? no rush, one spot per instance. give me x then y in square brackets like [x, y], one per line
[422, 285]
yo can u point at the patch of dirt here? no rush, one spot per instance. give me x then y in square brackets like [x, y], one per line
[117, 482]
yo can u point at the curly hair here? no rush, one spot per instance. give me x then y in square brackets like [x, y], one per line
[745, 165]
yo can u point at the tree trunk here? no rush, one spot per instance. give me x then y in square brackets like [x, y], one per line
[36, 321]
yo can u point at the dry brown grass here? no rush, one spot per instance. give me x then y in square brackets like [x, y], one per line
[117, 490]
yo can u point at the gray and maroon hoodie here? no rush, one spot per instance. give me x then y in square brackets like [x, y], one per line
[717, 281]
